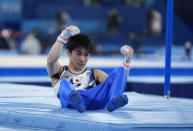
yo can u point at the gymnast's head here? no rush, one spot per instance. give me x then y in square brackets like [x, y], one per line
[79, 41]
[78, 48]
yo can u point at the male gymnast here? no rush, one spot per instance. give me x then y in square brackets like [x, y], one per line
[85, 88]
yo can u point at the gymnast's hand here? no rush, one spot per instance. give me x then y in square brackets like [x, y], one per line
[128, 52]
[69, 31]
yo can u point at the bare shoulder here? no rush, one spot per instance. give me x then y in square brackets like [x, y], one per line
[56, 76]
[100, 75]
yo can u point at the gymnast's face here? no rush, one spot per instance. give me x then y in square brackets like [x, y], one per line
[78, 58]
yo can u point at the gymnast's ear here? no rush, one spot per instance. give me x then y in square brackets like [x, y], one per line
[68, 52]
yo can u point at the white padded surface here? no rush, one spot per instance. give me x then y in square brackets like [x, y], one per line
[37, 107]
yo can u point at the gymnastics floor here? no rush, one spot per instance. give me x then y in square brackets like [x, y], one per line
[30, 107]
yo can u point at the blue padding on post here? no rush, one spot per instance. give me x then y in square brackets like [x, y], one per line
[168, 47]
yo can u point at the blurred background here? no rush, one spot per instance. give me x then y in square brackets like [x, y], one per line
[28, 29]
[27, 24]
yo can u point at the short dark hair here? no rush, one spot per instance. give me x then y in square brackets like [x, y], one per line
[79, 41]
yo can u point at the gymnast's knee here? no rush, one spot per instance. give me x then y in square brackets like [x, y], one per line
[119, 70]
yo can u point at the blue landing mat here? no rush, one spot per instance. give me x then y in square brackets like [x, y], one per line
[36, 107]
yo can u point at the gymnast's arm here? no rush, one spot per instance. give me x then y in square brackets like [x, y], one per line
[100, 76]
[53, 66]
[128, 52]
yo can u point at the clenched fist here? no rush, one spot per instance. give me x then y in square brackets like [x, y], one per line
[69, 31]
[128, 52]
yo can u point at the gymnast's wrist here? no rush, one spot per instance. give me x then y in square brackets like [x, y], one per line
[126, 65]
[62, 39]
